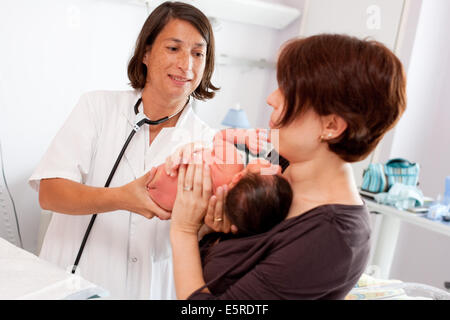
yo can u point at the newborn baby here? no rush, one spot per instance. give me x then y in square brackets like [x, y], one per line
[255, 202]
[223, 159]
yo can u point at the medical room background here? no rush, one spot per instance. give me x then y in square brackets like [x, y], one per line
[52, 51]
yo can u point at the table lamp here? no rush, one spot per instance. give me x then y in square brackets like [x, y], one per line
[237, 118]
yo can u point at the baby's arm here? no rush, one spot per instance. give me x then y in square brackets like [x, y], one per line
[254, 139]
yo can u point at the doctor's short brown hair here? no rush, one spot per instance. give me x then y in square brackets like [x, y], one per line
[361, 81]
[157, 20]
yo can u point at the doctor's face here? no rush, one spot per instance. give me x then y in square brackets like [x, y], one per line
[176, 60]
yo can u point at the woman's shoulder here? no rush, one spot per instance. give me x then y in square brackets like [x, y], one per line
[333, 212]
[349, 223]
[103, 104]
[346, 217]
[330, 244]
[99, 97]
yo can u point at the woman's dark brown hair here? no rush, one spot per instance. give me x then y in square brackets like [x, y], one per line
[361, 81]
[257, 203]
[158, 19]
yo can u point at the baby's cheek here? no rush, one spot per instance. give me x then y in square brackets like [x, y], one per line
[163, 190]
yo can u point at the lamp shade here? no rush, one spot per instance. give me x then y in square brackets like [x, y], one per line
[236, 118]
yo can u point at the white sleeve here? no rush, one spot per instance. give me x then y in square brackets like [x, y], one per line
[71, 151]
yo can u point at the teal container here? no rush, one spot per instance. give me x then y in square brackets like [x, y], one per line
[447, 191]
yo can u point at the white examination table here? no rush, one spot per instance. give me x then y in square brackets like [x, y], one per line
[25, 276]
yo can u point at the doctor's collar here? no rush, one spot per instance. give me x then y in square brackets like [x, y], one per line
[154, 122]
[138, 103]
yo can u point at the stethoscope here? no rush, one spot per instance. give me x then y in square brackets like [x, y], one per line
[141, 119]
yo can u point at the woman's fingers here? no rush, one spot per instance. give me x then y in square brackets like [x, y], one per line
[159, 212]
[181, 179]
[197, 158]
[209, 217]
[198, 180]
[207, 182]
[215, 217]
[136, 199]
[217, 214]
[220, 222]
[189, 178]
[150, 175]
[225, 221]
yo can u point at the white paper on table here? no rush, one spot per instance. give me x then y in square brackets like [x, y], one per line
[25, 276]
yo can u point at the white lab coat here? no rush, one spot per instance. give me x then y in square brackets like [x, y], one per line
[126, 253]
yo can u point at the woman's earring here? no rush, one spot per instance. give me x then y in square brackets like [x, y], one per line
[328, 137]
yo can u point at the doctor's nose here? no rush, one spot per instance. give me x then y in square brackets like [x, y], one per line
[185, 61]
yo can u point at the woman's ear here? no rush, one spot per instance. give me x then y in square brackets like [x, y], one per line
[146, 55]
[332, 126]
[237, 177]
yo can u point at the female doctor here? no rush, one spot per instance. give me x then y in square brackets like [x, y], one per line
[127, 252]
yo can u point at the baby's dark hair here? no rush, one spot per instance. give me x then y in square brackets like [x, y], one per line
[258, 202]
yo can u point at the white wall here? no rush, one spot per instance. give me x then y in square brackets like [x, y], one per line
[423, 135]
[54, 50]
[375, 19]
[51, 52]
[248, 86]
[239, 84]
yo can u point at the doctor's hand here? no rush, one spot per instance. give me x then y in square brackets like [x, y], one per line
[194, 190]
[135, 198]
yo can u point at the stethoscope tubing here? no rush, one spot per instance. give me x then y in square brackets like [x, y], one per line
[94, 216]
[113, 171]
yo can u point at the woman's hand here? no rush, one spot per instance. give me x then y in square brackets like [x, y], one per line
[215, 217]
[193, 193]
[134, 197]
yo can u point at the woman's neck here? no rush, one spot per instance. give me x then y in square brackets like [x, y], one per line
[319, 182]
[157, 106]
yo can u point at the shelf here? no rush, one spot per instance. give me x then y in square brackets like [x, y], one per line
[413, 218]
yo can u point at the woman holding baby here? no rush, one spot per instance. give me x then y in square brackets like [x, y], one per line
[337, 97]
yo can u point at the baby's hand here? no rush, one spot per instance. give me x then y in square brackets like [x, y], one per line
[181, 156]
[263, 167]
[254, 139]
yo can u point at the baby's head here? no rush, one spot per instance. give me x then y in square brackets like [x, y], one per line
[256, 203]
